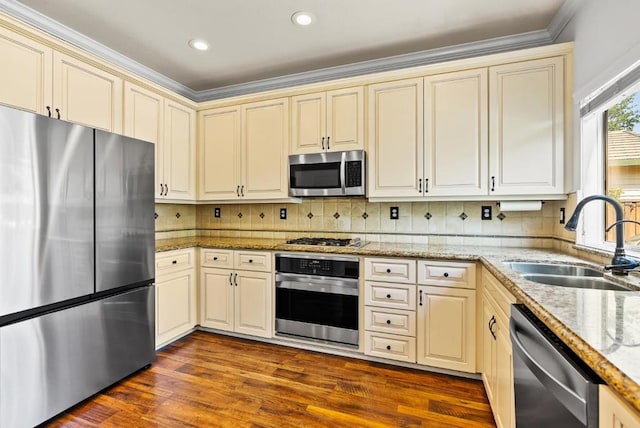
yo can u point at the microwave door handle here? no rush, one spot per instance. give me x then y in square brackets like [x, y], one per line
[343, 172]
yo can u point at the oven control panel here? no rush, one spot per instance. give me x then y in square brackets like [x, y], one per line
[320, 265]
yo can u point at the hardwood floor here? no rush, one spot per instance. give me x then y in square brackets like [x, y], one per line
[208, 380]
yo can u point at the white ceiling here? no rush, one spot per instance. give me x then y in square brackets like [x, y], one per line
[255, 39]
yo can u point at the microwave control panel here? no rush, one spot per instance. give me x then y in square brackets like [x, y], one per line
[354, 174]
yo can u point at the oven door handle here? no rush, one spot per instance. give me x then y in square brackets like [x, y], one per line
[569, 399]
[318, 288]
[343, 172]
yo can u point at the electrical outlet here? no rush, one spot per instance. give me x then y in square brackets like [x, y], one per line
[486, 212]
[216, 212]
[283, 213]
[394, 213]
[562, 214]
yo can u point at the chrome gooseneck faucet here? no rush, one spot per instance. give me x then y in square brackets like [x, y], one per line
[620, 264]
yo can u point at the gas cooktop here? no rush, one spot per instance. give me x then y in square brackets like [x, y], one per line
[328, 242]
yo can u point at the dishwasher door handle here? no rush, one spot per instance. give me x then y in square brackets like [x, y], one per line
[569, 399]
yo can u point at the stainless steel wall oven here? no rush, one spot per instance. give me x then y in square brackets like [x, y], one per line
[317, 297]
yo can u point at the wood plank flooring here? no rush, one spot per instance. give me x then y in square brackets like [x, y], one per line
[209, 380]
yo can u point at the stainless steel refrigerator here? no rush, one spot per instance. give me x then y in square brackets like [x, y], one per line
[76, 263]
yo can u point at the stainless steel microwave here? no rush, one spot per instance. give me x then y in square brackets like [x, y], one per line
[327, 174]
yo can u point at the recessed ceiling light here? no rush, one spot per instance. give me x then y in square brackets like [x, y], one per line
[198, 44]
[302, 18]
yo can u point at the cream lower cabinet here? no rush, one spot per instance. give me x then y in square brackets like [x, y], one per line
[390, 309]
[614, 412]
[327, 121]
[446, 329]
[236, 294]
[176, 295]
[497, 361]
[243, 151]
[171, 127]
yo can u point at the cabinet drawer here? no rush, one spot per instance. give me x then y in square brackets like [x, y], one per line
[174, 261]
[252, 260]
[496, 292]
[390, 270]
[447, 274]
[216, 258]
[390, 346]
[393, 321]
[389, 295]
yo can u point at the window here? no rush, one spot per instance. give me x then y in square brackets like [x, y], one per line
[610, 141]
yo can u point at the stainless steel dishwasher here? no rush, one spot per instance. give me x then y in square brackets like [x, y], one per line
[553, 387]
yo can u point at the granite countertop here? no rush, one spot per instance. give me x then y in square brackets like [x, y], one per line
[602, 327]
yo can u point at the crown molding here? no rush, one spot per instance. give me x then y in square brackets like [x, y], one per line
[56, 29]
[426, 57]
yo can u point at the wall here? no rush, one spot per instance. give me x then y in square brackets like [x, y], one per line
[420, 222]
[606, 42]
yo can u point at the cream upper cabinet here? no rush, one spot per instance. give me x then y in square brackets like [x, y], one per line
[264, 145]
[243, 151]
[614, 412]
[144, 120]
[85, 94]
[455, 134]
[395, 139]
[178, 151]
[327, 121]
[171, 127]
[219, 153]
[26, 73]
[526, 131]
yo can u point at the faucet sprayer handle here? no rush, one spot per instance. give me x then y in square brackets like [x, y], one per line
[622, 264]
[615, 223]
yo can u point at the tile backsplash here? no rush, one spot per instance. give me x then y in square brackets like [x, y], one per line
[455, 223]
[175, 220]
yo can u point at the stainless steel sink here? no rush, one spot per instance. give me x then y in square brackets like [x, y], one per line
[565, 275]
[553, 269]
[591, 282]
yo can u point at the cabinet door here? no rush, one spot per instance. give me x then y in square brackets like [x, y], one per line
[25, 73]
[253, 303]
[265, 142]
[488, 351]
[526, 131]
[396, 139]
[86, 95]
[179, 151]
[219, 148]
[216, 298]
[144, 119]
[446, 328]
[308, 123]
[613, 412]
[455, 133]
[504, 400]
[345, 119]
[175, 306]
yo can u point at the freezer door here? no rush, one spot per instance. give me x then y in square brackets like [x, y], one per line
[46, 210]
[50, 363]
[125, 224]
